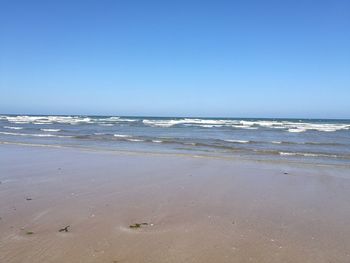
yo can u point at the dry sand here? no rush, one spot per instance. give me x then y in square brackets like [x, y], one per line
[197, 209]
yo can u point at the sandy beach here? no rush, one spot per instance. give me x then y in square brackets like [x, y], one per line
[174, 131]
[189, 209]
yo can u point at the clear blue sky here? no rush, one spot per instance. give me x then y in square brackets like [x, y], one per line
[176, 58]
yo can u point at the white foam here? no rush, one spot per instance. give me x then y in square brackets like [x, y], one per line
[48, 119]
[10, 133]
[135, 140]
[13, 128]
[210, 126]
[157, 141]
[244, 127]
[291, 126]
[286, 153]
[40, 135]
[121, 135]
[113, 118]
[276, 142]
[34, 134]
[42, 123]
[23, 118]
[297, 130]
[237, 141]
[127, 120]
[245, 124]
[50, 130]
[208, 123]
[307, 154]
[160, 123]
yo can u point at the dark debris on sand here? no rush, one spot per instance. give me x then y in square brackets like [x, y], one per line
[138, 225]
[64, 229]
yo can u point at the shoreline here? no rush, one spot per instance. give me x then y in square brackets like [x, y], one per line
[189, 209]
[232, 158]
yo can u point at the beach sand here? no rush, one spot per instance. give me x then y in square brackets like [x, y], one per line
[196, 209]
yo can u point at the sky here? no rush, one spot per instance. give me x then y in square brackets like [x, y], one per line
[246, 58]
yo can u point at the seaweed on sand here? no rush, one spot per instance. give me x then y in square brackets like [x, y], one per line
[138, 225]
[64, 229]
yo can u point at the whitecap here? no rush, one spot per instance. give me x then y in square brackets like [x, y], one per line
[50, 130]
[135, 140]
[210, 126]
[287, 153]
[127, 120]
[34, 134]
[40, 135]
[237, 141]
[293, 126]
[42, 123]
[48, 119]
[10, 133]
[121, 135]
[113, 118]
[308, 154]
[13, 128]
[208, 123]
[244, 127]
[296, 130]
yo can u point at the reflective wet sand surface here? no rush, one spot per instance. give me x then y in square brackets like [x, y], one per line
[194, 209]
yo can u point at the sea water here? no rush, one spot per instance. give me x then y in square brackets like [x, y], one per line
[306, 140]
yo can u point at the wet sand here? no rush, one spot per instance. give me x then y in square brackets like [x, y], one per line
[196, 209]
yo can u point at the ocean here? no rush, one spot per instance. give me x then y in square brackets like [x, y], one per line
[323, 141]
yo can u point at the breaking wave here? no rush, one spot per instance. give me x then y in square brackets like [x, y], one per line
[35, 134]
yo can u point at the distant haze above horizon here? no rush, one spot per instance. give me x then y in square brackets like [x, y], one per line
[277, 59]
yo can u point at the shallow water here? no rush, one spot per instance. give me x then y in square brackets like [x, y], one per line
[308, 140]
